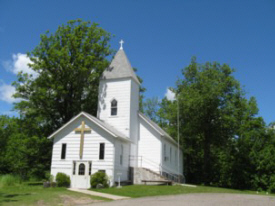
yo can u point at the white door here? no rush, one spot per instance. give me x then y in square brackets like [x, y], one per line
[81, 177]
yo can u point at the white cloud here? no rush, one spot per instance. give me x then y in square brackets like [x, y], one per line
[19, 63]
[6, 93]
[170, 95]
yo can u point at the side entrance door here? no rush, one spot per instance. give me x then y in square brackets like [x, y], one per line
[81, 177]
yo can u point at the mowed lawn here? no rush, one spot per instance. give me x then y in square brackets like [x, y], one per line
[37, 195]
[157, 190]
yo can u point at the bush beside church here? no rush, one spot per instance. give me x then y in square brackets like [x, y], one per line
[99, 180]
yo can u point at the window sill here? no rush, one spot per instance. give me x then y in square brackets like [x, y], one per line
[114, 116]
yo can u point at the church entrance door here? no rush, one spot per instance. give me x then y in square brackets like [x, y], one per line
[81, 177]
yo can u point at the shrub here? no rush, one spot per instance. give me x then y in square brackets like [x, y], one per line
[9, 180]
[99, 178]
[49, 177]
[63, 180]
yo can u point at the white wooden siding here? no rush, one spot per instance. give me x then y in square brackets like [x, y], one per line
[149, 147]
[134, 118]
[124, 168]
[168, 165]
[90, 149]
[119, 90]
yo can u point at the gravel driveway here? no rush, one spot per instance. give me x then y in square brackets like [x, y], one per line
[196, 200]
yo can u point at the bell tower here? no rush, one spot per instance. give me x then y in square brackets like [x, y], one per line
[118, 102]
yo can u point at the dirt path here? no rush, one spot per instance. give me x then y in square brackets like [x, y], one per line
[197, 200]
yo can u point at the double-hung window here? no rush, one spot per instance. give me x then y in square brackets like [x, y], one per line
[63, 151]
[114, 108]
[101, 151]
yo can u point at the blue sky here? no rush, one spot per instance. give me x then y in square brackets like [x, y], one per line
[160, 39]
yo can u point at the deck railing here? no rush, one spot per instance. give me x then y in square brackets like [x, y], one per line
[140, 161]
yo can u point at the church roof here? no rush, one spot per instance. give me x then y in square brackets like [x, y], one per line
[120, 67]
[157, 128]
[107, 126]
[111, 130]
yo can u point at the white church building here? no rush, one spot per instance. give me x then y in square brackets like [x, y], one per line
[120, 141]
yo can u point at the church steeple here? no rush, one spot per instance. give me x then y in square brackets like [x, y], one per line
[120, 67]
[118, 100]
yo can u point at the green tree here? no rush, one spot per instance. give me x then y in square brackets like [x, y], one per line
[151, 107]
[22, 152]
[208, 98]
[225, 142]
[69, 64]
[6, 128]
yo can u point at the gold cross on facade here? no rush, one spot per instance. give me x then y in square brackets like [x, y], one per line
[82, 130]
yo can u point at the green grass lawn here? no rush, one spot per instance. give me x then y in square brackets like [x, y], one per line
[156, 190]
[37, 195]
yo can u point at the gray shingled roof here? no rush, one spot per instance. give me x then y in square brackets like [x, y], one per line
[120, 67]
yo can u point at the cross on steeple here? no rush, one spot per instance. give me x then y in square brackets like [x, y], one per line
[121, 44]
[82, 130]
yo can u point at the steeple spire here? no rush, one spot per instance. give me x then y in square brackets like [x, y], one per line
[120, 67]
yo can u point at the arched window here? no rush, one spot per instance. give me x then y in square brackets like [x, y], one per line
[114, 108]
[81, 169]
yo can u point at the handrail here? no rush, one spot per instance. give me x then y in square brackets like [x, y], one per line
[162, 169]
[143, 158]
[146, 159]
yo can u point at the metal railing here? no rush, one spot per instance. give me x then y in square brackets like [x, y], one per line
[144, 162]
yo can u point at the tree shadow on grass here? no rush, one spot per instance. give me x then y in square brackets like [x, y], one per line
[11, 197]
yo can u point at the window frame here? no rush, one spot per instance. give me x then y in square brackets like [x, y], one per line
[81, 171]
[164, 152]
[176, 156]
[114, 108]
[121, 155]
[171, 154]
[101, 153]
[63, 151]
[90, 168]
[74, 167]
